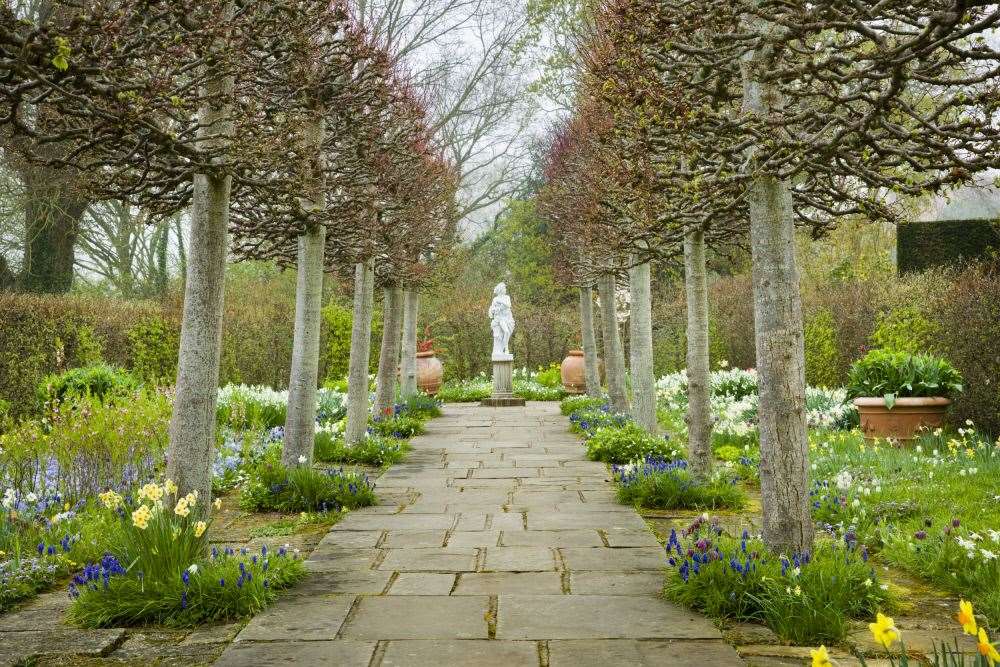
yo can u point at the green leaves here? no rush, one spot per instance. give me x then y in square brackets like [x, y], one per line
[895, 374]
[61, 59]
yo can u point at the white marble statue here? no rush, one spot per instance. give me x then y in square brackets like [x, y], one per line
[502, 322]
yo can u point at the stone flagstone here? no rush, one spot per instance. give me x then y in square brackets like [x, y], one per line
[501, 545]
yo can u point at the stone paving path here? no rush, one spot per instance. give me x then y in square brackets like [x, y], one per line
[496, 543]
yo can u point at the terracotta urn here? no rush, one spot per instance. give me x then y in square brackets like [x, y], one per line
[429, 372]
[573, 372]
[904, 420]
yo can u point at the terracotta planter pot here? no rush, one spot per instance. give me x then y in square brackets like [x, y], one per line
[429, 372]
[573, 372]
[906, 417]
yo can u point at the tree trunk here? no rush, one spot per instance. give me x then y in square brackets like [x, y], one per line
[52, 214]
[385, 379]
[592, 370]
[784, 476]
[699, 411]
[641, 348]
[192, 424]
[361, 342]
[408, 361]
[300, 419]
[614, 355]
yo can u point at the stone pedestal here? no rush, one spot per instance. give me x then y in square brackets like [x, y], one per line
[503, 384]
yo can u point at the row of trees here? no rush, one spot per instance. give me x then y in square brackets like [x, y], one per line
[701, 124]
[283, 127]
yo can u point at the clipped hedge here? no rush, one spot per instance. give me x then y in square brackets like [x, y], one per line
[926, 245]
[44, 335]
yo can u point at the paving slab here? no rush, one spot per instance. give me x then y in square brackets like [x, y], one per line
[520, 559]
[423, 583]
[615, 583]
[469, 652]
[429, 560]
[552, 538]
[418, 617]
[307, 619]
[597, 617]
[266, 654]
[614, 560]
[641, 653]
[506, 583]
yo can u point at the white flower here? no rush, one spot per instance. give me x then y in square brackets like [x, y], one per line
[844, 480]
[31, 497]
[988, 555]
[868, 583]
[968, 422]
[194, 568]
[302, 458]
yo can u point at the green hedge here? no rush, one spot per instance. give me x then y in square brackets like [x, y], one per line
[925, 245]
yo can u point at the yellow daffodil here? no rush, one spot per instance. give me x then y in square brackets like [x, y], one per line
[182, 507]
[966, 618]
[140, 517]
[151, 491]
[199, 528]
[65, 507]
[191, 498]
[218, 503]
[884, 630]
[820, 657]
[170, 487]
[111, 500]
[986, 649]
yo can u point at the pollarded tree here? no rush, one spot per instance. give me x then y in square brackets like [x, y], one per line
[140, 98]
[813, 111]
[319, 75]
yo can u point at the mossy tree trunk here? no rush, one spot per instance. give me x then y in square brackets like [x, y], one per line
[388, 360]
[361, 342]
[641, 348]
[614, 355]
[408, 359]
[784, 476]
[699, 411]
[191, 449]
[592, 370]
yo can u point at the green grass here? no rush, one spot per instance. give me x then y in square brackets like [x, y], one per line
[375, 450]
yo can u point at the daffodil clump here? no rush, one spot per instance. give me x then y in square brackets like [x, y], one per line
[805, 598]
[157, 567]
[890, 638]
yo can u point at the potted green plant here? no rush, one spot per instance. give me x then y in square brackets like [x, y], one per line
[898, 393]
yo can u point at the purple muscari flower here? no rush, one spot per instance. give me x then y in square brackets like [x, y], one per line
[956, 522]
[920, 535]
[41, 548]
[186, 578]
[222, 583]
[51, 550]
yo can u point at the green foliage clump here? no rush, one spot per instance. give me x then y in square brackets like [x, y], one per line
[822, 355]
[270, 486]
[242, 408]
[22, 578]
[401, 426]
[805, 599]
[532, 390]
[98, 380]
[550, 377]
[156, 569]
[904, 330]
[421, 406]
[663, 484]
[627, 443]
[895, 374]
[154, 343]
[728, 453]
[465, 391]
[582, 403]
[374, 450]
